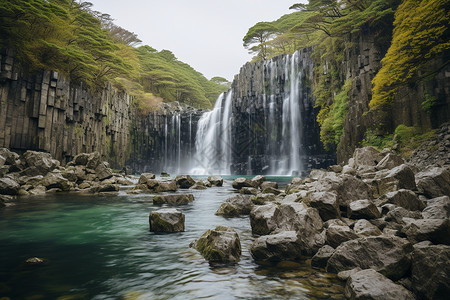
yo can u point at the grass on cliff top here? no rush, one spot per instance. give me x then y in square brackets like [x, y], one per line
[404, 139]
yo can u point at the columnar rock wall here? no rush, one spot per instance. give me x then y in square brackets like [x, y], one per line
[47, 112]
[259, 93]
[362, 62]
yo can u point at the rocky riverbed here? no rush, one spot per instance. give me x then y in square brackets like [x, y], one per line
[380, 223]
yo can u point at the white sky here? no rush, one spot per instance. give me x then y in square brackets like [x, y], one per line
[206, 34]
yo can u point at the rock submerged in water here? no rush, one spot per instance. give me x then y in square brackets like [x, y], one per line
[215, 180]
[176, 199]
[241, 182]
[184, 181]
[369, 284]
[219, 246]
[166, 220]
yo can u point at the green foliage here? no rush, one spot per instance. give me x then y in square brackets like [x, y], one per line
[421, 32]
[257, 35]
[378, 141]
[332, 118]
[428, 103]
[405, 139]
[69, 37]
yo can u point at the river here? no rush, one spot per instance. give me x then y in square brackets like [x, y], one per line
[100, 247]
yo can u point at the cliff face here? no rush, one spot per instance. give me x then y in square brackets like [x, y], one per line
[361, 64]
[266, 121]
[47, 112]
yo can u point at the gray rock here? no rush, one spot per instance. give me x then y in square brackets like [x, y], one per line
[268, 185]
[9, 156]
[170, 186]
[404, 177]
[241, 182]
[166, 220]
[164, 174]
[369, 284]
[249, 191]
[56, 180]
[235, 206]
[398, 213]
[221, 245]
[404, 198]
[215, 180]
[184, 181]
[388, 255]
[430, 271]
[320, 259]
[261, 199]
[146, 177]
[103, 188]
[258, 180]
[437, 208]
[326, 203]
[40, 162]
[344, 275]
[434, 182]
[367, 156]
[177, 199]
[390, 161]
[364, 228]
[351, 189]
[337, 234]
[348, 170]
[9, 186]
[276, 247]
[103, 171]
[264, 218]
[434, 230]
[363, 209]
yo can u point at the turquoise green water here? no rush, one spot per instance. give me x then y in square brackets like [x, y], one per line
[101, 248]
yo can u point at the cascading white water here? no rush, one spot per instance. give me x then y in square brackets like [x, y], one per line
[213, 139]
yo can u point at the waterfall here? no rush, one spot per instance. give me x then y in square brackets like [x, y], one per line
[267, 117]
[213, 139]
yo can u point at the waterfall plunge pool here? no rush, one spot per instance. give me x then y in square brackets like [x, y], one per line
[101, 248]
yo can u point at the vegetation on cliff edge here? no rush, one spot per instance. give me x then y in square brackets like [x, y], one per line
[70, 37]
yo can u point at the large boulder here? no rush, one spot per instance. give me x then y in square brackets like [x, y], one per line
[434, 230]
[9, 156]
[264, 218]
[365, 228]
[388, 255]
[220, 245]
[235, 206]
[39, 163]
[103, 171]
[184, 181]
[89, 160]
[367, 156]
[249, 191]
[320, 259]
[241, 182]
[306, 222]
[437, 208]
[401, 177]
[261, 199]
[56, 180]
[430, 271]
[176, 199]
[258, 180]
[277, 247]
[404, 198]
[350, 189]
[266, 185]
[9, 186]
[434, 182]
[390, 161]
[363, 209]
[215, 180]
[337, 234]
[146, 177]
[161, 187]
[326, 203]
[166, 220]
[370, 285]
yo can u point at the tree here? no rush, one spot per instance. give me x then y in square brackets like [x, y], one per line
[259, 34]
